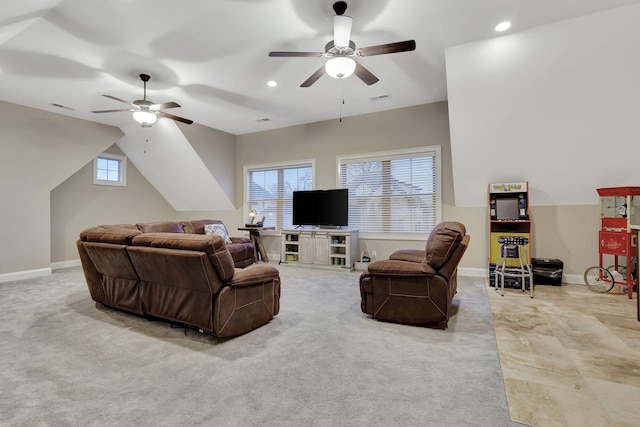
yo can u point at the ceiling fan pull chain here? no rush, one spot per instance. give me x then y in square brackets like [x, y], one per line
[341, 103]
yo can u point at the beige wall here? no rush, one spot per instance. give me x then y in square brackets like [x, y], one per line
[38, 150]
[77, 204]
[423, 125]
[40, 204]
[568, 233]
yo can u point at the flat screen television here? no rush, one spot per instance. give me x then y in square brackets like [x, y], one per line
[323, 208]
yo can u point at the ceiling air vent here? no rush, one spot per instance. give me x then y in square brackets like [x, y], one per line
[378, 98]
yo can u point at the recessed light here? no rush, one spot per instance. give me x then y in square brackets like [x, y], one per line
[272, 83]
[503, 26]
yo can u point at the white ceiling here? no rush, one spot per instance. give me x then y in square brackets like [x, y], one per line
[211, 56]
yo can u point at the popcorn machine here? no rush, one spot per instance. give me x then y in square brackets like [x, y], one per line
[619, 219]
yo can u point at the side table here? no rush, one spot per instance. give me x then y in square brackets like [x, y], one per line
[256, 239]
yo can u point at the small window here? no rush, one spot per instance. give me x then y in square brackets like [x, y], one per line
[110, 169]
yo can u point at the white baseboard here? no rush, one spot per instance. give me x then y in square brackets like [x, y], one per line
[473, 272]
[26, 274]
[40, 272]
[574, 279]
[65, 264]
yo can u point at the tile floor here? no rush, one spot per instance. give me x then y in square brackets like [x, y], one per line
[569, 356]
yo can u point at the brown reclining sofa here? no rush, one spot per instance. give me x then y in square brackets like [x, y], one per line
[186, 278]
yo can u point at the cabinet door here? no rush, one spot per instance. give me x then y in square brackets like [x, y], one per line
[321, 249]
[307, 248]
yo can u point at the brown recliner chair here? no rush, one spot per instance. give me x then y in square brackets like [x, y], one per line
[415, 286]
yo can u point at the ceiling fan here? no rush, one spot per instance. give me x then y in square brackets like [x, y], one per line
[341, 51]
[145, 111]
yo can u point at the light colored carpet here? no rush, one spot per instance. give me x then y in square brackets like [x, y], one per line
[320, 362]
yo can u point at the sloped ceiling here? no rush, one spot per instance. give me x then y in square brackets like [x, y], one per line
[170, 163]
[211, 56]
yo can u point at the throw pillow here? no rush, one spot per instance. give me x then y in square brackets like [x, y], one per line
[218, 229]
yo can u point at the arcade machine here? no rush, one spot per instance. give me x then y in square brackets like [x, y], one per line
[509, 222]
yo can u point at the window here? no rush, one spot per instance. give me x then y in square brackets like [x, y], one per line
[110, 169]
[269, 190]
[394, 193]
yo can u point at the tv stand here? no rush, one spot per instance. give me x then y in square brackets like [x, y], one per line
[320, 247]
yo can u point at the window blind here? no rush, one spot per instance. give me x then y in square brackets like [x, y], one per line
[392, 193]
[270, 191]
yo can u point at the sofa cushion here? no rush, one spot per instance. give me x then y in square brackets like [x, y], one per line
[443, 240]
[212, 245]
[160, 227]
[197, 226]
[218, 229]
[121, 236]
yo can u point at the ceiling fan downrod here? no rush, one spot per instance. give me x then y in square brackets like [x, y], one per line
[145, 78]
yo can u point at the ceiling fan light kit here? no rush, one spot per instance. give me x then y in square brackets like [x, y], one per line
[341, 51]
[145, 117]
[340, 67]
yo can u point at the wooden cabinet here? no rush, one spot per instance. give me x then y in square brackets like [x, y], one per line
[332, 248]
[314, 248]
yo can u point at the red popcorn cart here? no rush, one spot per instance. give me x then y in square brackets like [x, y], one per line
[617, 240]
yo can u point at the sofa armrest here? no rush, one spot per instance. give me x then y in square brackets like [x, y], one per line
[397, 268]
[253, 275]
[412, 255]
[240, 240]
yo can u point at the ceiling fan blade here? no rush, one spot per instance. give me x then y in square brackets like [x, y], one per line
[111, 111]
[382, 49]
[293, 54]
[365, 75]
[314, 77]
[342, 30]
[165, 105]
[176, 118]
[117, 99]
